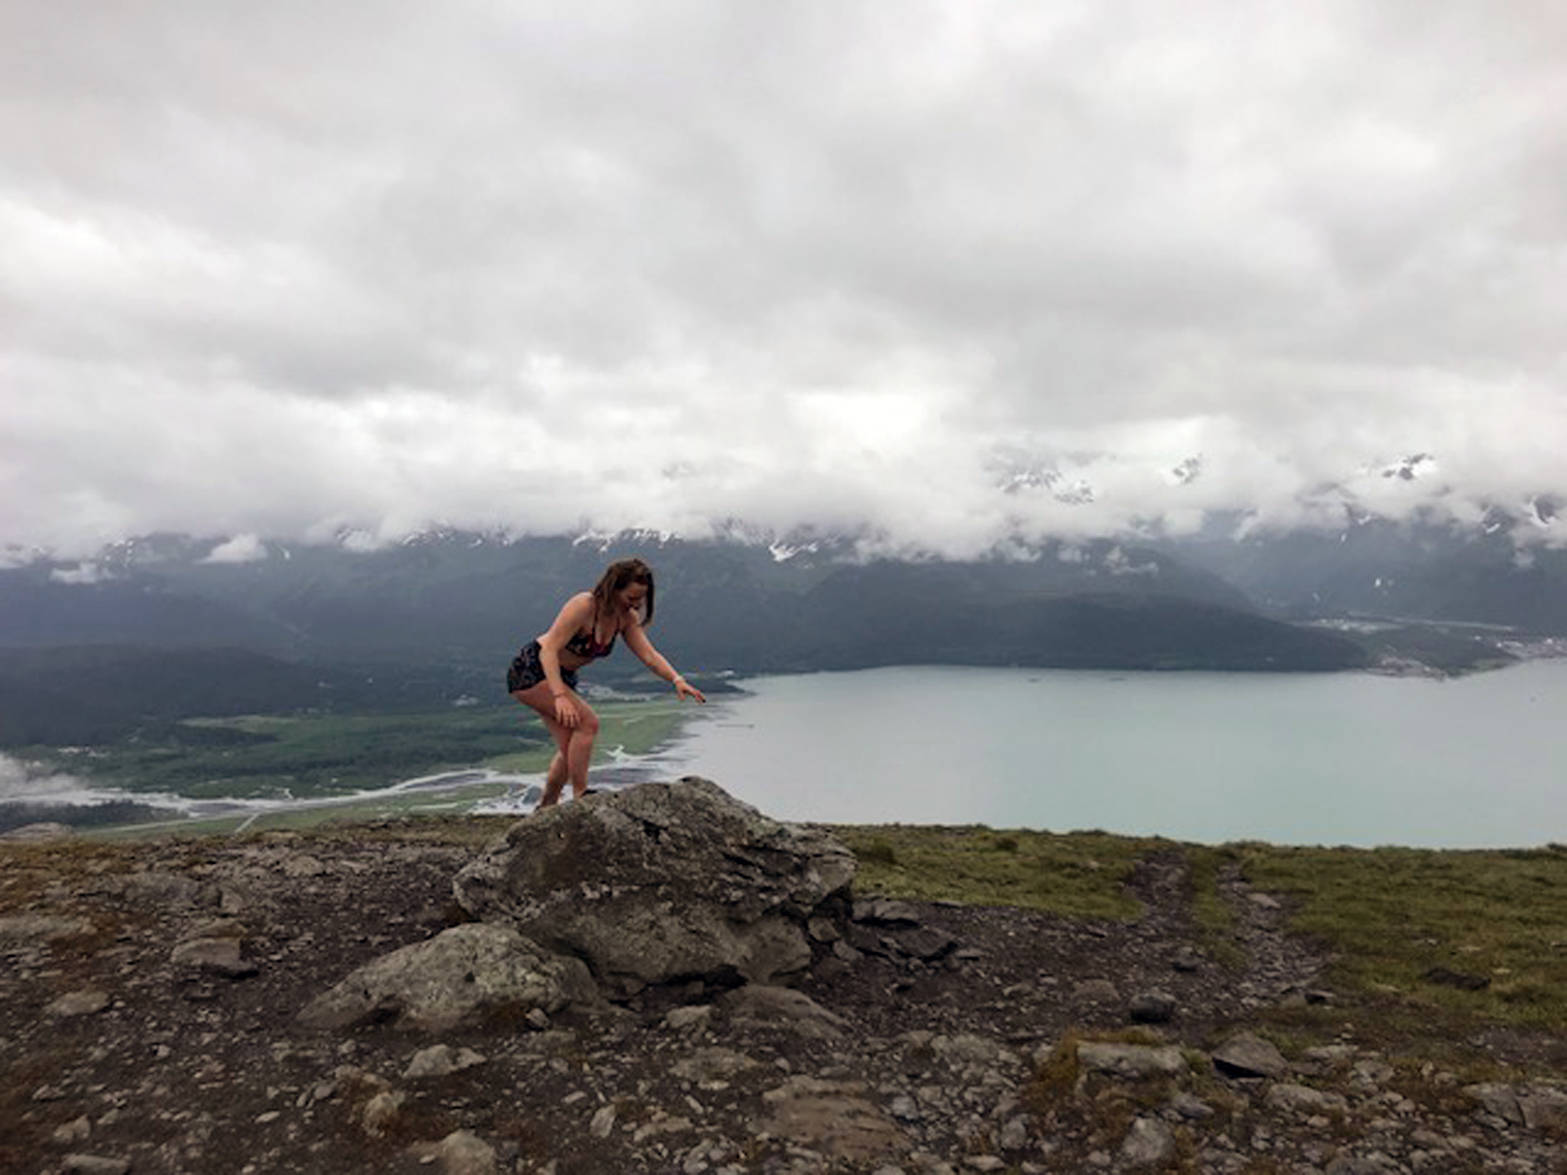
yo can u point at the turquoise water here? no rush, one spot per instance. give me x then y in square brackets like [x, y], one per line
[1353, 759]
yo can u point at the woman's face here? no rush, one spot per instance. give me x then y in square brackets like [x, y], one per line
[631, 596]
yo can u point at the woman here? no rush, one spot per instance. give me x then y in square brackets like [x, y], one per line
[544, 674]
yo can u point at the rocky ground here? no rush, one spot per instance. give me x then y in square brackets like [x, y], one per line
[148, 1001]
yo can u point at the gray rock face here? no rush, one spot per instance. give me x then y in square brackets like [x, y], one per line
[460, 976]
[662, 882]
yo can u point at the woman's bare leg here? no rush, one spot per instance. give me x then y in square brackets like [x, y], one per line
[574, 745]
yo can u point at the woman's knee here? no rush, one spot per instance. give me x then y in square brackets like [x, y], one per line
[587, 721]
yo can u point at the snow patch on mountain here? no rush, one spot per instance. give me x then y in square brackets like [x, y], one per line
[242, 548]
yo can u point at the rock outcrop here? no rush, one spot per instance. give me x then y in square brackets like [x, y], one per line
[663, 883]
[463, 976]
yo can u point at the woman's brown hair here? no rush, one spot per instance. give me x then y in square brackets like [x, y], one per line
[618, 576]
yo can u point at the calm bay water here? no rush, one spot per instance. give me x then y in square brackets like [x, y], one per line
[1346, 758]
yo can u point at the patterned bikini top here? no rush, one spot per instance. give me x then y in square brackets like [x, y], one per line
[585, 644]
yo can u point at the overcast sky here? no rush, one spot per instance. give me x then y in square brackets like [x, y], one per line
[953, 273]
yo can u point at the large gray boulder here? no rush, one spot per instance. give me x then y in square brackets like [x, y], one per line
[663, 882]
[462, 976]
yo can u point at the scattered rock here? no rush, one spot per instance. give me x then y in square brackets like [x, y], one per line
[1152, 1007]
[74, 1131]
[459, 1153]
[1186, 960]
[1247, 1055]
[461, 976]
[79, 1003]
[382, 1111]
[1497, 1099]
[832, 1117]
[1190, 1107]
[217, 956]
[94, 1165]
[1301, 1099]
[885, 912]
[1131, 1062]
[1544, 1108]
[763, 1004]
[439, 1060]
[41, 928]
[1148, 1143]
[603, 1121]
[689, 1016]
[1096, 991]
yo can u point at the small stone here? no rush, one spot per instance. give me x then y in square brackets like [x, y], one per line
[1152, 1007]
[219, 956]
[1544, 1108]
[1096, 991]
[79, 1003]
[1186, 960]
[689, 1015]
[1263, 901]
[1014, 1134]
[1247, 1055]
[460, 1153]
[75, 1130]
[381, 1111]
[1497, 1099]
[1301, 1099]
[822, 930]
[94, 1165]
[269, 1116]
[602, 1122]
[1148, 1143]
[885, 912]
[1190, 1107]
[1131, 1061]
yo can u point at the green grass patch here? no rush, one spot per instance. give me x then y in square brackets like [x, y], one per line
[1401, 919]
[1080, 874]
[1214, 918]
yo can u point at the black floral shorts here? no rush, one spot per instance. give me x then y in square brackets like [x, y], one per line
[527, 670]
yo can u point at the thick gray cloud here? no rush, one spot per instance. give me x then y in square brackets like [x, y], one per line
[950, 273]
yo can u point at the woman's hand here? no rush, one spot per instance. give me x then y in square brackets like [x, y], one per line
[565, 711]
[684, 689]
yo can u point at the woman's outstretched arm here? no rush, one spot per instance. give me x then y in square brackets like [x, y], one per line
[637, 642]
